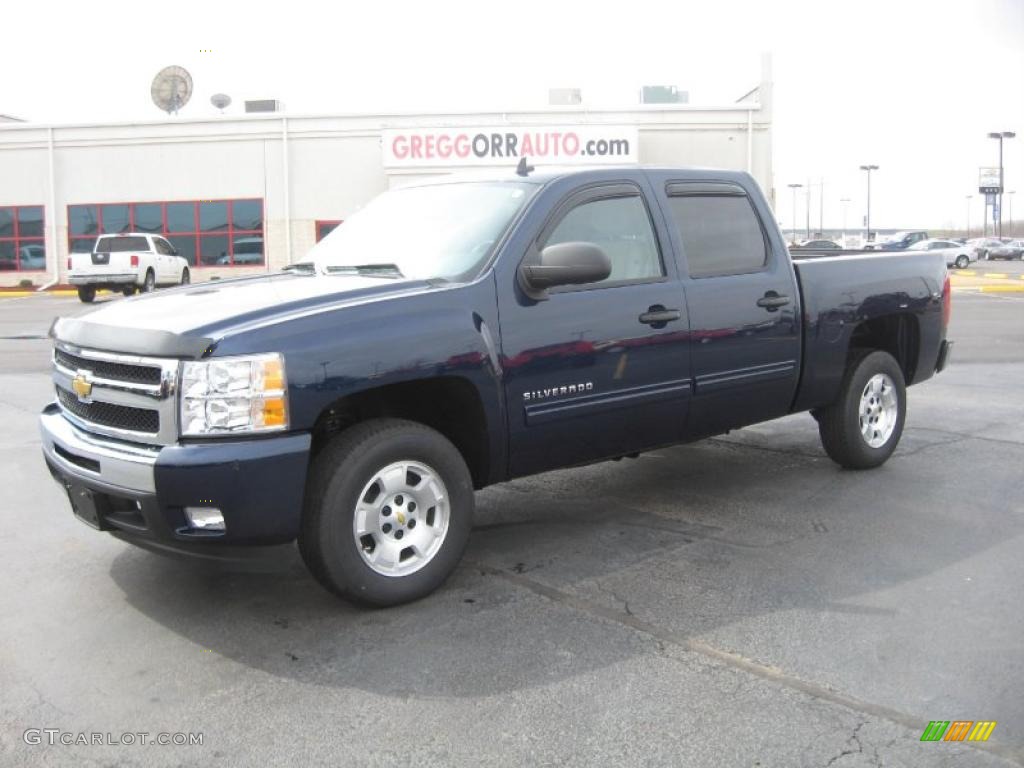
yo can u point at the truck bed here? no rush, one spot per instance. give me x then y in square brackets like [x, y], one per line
[842, 291]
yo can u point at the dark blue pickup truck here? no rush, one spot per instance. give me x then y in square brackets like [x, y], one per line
[459, 333]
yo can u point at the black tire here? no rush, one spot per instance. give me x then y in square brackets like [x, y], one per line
[149, 284]
[339, 474]
[128, 290]
[185, 277]
[962, 262]
[86, 294]
[839, 423]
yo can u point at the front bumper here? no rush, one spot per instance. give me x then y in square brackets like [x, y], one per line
[140, 492]
[125, 278]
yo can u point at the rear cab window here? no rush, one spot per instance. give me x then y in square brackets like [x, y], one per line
[719, 229]
[121, 244]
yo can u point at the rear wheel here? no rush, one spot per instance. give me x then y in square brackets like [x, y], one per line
[150, 282]
[862, 429]
[128, 290]
[388, 512]
[962, 262]
[87, 293]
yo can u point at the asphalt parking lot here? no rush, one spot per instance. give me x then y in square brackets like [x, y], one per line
[738, 602]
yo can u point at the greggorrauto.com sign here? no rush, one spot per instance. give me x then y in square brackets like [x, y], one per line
[551, 145]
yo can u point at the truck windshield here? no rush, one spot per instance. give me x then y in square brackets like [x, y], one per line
[442, 231]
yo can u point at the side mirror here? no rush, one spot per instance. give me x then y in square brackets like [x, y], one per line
[564, 264]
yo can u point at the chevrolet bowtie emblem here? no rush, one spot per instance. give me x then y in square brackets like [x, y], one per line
[82, 385]
[401, 519]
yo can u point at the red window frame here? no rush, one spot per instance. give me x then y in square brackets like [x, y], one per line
[329, 224]
[195, 233]
[20, 240]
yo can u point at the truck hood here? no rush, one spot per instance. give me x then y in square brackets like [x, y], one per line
[184, 322]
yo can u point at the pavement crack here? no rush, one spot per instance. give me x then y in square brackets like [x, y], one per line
[615, 596]
[733, 660]
[855, 738]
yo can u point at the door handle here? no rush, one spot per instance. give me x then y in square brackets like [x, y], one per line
[772, 301]
[658, 316]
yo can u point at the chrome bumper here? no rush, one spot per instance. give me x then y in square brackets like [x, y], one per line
[120, 278]
[87, 457]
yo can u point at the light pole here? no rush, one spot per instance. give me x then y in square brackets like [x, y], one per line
[808, 231]
[844, 201]
[969, 197]
[821, 209]
[794, 187]
[867, 219]
[1000, 135]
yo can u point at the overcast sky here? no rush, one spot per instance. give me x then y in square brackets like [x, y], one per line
[910, 86]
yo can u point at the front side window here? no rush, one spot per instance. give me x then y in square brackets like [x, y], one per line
[622, 228]
[445, 231]
[721, 234]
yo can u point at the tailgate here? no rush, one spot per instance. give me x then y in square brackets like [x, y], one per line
[112, 255]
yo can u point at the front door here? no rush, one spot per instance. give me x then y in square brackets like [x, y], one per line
[744, 307]
[599, 370]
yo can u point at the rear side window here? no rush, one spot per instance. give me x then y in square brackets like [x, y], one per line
[121, 244]
[163, 247]
[720, 233]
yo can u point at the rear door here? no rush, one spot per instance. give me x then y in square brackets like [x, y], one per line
[598, 370]
[743, 303]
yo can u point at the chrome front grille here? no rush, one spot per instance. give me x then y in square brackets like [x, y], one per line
[145, 420]
[123, 396]
[138, 374]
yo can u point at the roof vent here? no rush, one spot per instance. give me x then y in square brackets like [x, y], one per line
[263, 105]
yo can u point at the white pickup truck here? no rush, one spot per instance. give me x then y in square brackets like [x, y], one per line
[126, 262]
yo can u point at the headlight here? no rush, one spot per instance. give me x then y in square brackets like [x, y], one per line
[234, 394]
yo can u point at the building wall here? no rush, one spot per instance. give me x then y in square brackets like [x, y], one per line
[334, 163]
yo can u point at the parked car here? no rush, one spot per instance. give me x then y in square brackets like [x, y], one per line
[126, 262]
[1011, 250]
[898, 242]
[982, 245]
[247, 250]
[458, 333]
[820, 245]
[956, 254]
[32, 256]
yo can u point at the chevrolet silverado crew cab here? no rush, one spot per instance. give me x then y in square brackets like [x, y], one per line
[462, 332]
[126, 262]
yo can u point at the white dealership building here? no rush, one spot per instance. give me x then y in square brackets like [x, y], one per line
[250, 193]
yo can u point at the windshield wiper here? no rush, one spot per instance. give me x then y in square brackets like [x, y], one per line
[372, 270]
[305, 267]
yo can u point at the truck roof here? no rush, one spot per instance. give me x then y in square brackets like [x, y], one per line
[551, 173]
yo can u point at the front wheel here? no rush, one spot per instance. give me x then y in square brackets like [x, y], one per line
[185, 278]
[962, 262]
[149, 284]
[86, 294]
[862, 429]
[388, 512]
